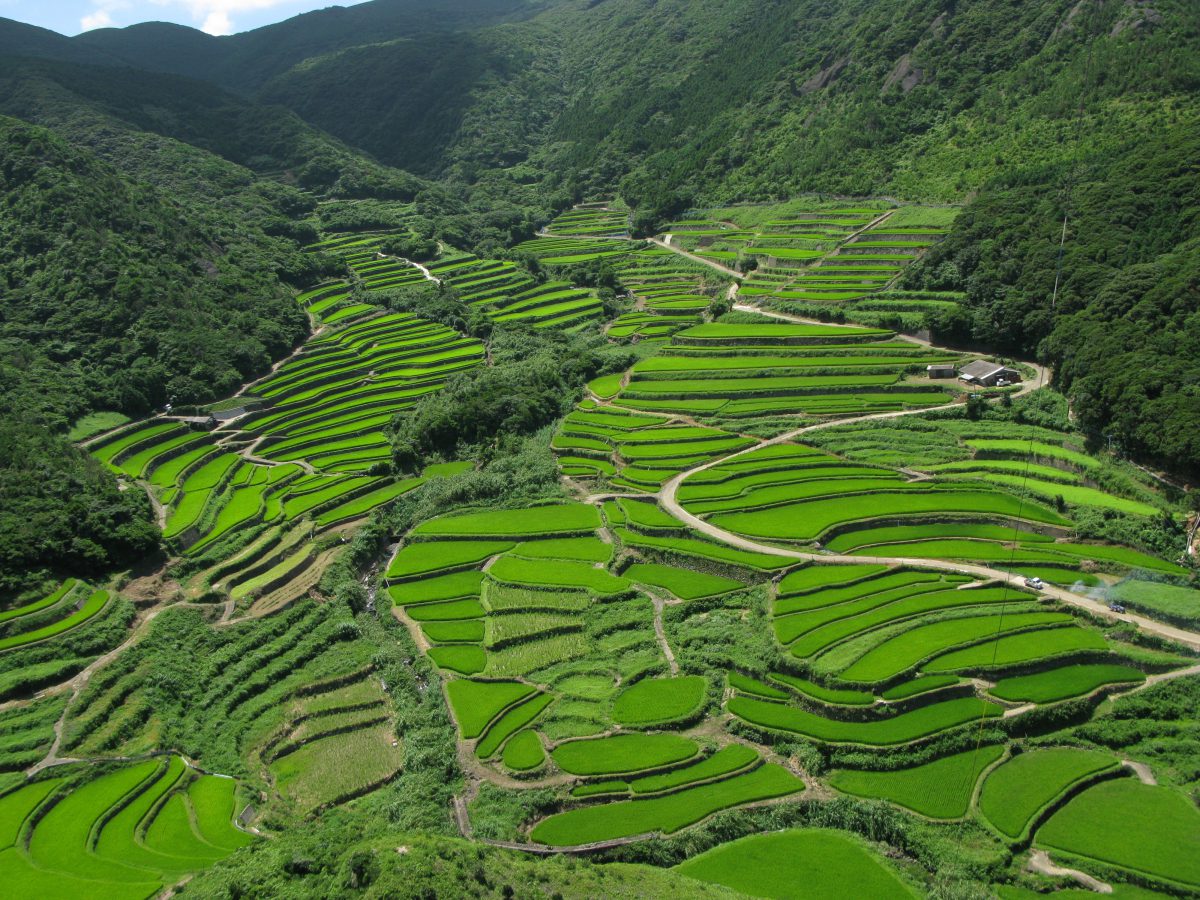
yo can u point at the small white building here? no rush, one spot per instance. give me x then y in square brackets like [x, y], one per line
[986, 373]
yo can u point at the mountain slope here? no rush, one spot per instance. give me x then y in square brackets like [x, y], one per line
[265, 139]
[118, 297]
[244, 61]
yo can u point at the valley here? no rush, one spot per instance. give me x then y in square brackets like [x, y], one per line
[602, 449]
[769, 530]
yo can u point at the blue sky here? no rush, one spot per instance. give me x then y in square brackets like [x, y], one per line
[213, 16]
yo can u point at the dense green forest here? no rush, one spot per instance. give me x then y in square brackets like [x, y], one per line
[62, 511]
[1025, 111]
[113, 300]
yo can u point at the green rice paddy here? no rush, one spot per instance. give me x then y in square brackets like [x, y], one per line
[810, 863]
[941, 789]
[1148, 830]
[665, 814]
[655, 701]
[622, 753]
[1017, 791]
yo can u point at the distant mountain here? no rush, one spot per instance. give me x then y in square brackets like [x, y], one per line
[1027, 112]
[246, 60]
[19, 39]
[265, 139]
[157, 47]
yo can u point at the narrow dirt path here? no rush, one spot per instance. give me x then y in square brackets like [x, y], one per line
[429, 276]
[476, 769]
[1158, 679]
[300, 348]
[247, 453]
[462, 818]
[414, 630]
[1141, 770]
[160, 511]
[1039, 861]
[665, 243]
[1018, 710]
[659, 633]
[78, 682]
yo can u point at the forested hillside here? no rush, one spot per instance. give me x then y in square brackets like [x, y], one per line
[114, 299]
[1027, 112]
[1122, 331]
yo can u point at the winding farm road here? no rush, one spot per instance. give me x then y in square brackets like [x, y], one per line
[668, 498]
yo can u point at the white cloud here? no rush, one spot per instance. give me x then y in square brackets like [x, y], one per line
[217, 15]
[101, 18]
[212, 16]
[217, 22]
[102, 15]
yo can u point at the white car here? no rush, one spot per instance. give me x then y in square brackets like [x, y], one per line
[1036, 583]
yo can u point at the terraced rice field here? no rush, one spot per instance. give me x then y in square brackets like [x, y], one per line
[589, 220]
[742, 371]
[26, 734]
[1148, 830]
[670, 293]
[880, 654]
[68, 607]
[124, 834]
[246, 516]
[829, 865]
[302, 452]
[1025, 787]
[887, 649]
[666, 814]
[566, 251]
[643, 674]
[329, 403]
[528, 594]
[941, 789]
[826, 259]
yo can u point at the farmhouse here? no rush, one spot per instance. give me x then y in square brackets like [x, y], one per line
[988, 374]
[941, 370]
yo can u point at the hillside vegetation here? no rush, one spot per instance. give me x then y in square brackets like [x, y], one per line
[1027, 112]
[573, 448]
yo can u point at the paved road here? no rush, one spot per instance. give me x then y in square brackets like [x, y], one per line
[416, 265]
